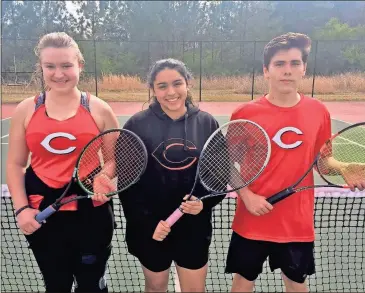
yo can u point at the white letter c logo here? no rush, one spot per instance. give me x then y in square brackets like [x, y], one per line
[46, 143]
[279, 142]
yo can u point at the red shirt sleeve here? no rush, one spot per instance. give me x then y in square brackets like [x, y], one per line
[324, 133]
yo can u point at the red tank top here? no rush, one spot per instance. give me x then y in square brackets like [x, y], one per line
[55, 145]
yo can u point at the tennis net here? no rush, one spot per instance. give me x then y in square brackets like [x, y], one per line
[339, 250]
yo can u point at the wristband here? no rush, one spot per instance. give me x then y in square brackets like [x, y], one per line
[21, 209]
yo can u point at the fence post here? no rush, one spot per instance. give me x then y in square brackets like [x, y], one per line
[253, 69]
[95, 67]
[148, 69]
[194, 52]
[221, 53]
[200, 70]
[212, 50]
[314, 66]
[148, 55]
[183, 51]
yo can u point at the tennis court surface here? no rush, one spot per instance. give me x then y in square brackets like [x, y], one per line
[339, 249]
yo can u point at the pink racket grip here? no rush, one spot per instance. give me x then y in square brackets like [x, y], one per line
[177, 214]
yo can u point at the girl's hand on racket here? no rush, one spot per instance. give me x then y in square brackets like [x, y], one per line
[161, 231]
[354, 175]
[193, 206]
[27, 222]
[256, 204]
[102, 185]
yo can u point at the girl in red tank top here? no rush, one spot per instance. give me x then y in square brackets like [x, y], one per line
[55, 145]
[52, 128]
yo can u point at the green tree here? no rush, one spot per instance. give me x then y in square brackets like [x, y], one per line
[341, 55]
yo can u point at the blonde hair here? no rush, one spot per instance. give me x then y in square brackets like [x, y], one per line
[53, 40]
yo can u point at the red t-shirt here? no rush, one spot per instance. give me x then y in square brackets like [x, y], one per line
[297, 134]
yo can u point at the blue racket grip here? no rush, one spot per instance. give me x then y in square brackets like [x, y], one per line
[45, 214]
[280, 195]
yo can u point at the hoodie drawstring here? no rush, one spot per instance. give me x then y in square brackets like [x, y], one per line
[185, 131]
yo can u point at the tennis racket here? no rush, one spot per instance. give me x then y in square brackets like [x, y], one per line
[340, 163]
[232, 157]
[110, 163]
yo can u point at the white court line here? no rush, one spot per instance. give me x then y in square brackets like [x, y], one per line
[334, 119]
[4, 143]
[352, 142]
[176, 278]
[5, 191]
[6, 135]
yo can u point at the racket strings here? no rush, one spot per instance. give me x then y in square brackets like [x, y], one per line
[233, 157]
[131, 160]
[253, 155]
[214, 177]
[112, 162]
[346, 150]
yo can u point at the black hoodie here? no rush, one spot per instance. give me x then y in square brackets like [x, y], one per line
[173, 148]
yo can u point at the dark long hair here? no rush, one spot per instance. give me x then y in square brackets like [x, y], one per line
[169, 64]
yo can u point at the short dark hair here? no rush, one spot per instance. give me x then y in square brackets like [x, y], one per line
[286, 42]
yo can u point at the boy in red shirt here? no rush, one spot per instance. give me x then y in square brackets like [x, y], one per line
[298, 126]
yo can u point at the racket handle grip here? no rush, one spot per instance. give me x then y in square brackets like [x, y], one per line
[177, 214]
[280, 195]
[40, 217]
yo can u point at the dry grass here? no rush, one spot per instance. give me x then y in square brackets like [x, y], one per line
[337, 84]
[349, 86]
[115, 83]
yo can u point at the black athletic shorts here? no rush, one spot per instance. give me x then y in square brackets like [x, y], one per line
[72, 245]
[246, 257]
[187, 245]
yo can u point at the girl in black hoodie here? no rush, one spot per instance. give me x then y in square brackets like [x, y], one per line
[174, 132]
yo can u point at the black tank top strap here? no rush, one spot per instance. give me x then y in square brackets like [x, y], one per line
[85, 101]
[40, 100]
